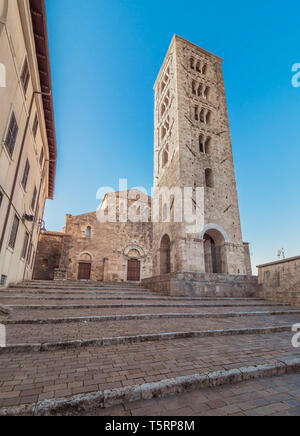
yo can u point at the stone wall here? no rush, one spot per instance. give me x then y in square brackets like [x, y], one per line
[48, 255]
[281, 280]
[189, 87]
[185, 284]
[106, 246]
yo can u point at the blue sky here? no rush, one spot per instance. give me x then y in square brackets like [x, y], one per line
[105, 56]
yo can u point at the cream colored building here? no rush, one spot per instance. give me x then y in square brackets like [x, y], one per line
[27, 135]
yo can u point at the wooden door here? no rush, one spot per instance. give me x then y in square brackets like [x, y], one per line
[134, 270]
[84, 271]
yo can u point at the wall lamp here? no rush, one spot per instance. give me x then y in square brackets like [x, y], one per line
[31, 219]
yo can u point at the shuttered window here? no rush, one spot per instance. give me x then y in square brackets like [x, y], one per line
[25, 246]
[33, 199]
[42, 157]
[25, 76]
[14, 232]
[35, 126]
[25, 175]
[11, 135]
[29, 253]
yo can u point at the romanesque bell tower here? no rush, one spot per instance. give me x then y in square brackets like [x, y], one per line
[192, 148]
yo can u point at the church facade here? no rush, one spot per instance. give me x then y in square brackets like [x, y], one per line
[192, 150]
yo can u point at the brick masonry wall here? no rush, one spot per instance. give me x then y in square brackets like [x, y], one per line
[281, 280]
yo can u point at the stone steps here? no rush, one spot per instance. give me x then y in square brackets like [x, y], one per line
[127, 341]
[54, 374]
[66, 314]
[140, 316]
[155, 330]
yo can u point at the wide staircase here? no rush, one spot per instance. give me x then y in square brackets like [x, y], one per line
[84, 348]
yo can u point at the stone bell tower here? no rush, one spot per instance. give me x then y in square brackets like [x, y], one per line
[192, 148]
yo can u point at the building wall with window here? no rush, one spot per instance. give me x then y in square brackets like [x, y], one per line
[27, 135]
[112, 251]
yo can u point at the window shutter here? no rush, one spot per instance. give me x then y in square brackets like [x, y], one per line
[14, 231]
[33, 199]
[25, 76]
[25, 246]
[25, 175]
[11, 135]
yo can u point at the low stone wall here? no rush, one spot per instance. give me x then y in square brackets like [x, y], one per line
[280, 280]
[187, 284]
[60, 274]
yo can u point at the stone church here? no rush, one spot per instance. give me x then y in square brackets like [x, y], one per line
[192, 148]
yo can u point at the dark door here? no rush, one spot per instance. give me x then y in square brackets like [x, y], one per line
[134, 270]
[84, 271]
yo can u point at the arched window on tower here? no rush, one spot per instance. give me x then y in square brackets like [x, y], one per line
[208, 146]
[201, 144]
[193, 87]
[208, 118]
[209, 178]
[199, 92]
[205, 93]
[202, 116]
[88, 232]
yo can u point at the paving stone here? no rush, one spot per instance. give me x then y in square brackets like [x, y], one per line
[38, 376]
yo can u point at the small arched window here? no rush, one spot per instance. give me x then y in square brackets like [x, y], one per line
[208, 146]
[192, 63]
[208, 117]
[202, 116]
[194, 87]
[201, 144]
[209, 178]
[89, 232]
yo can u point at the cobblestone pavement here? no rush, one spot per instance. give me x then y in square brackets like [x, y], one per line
[276, 396]
[30, 377]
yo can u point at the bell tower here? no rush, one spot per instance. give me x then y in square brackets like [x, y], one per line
[192, 148]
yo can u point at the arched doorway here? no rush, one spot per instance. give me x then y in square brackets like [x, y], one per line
[214, 252]
[165, 255]
[134, 266]
[85, 267]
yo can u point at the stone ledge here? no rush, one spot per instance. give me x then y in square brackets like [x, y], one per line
[4, 311]
[121, 306]
[104, 318]
[165, 388]
[121, 340]
[193, 284]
